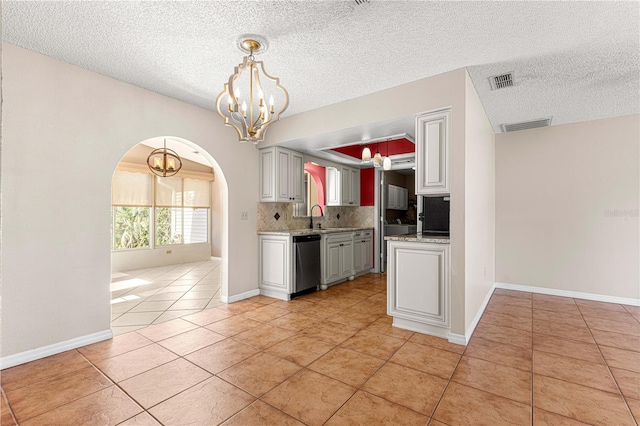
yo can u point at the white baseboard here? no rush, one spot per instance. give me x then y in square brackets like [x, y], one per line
[464, 339]
[572, 294]
[239, 297]
[215, 258]
[432, 330]
[458, 339]
[275, 294]
[56, 348]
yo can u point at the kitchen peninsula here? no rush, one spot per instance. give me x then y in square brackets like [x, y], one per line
[419, 283]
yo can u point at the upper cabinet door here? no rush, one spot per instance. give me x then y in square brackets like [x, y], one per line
[296, 174]
[333, 186]
[432, 153]
[281, 175]
[354, 200]
[267, 175]
[283, 170]
[343, 186]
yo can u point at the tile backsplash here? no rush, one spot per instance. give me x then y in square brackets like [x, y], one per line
[350, 217]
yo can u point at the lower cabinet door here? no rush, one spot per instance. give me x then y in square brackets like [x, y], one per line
[346, 255]
[418, 277]
[274, 263]
[358, 256]
[332, 263]
[367, 255]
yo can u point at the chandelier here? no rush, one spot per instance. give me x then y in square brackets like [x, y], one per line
[164, 162]
[242, 104]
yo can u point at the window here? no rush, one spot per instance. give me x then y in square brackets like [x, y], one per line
[179, 208]
[130, 227]
[168, 226]
[195, 225]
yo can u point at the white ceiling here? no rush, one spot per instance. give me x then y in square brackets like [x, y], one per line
[574, 61]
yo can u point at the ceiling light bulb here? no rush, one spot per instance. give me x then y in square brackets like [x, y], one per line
[377, 159]
[386, 163]
[366, 155]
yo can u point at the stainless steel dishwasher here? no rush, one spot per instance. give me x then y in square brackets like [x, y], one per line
[306, 261]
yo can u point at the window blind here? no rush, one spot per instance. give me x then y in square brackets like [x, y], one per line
[168, 192]
[131, 189]
[196, 193]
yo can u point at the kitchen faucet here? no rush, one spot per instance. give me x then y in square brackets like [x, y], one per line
[311, 214]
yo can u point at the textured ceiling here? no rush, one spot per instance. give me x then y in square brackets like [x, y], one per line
[574, 61]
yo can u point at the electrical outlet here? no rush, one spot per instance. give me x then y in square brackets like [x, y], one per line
[168, 251]
[245, 216]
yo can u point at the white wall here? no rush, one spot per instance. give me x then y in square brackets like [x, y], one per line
[479, 205]
[127, 260]
[440, 91]
[64, 131]
[555, 190]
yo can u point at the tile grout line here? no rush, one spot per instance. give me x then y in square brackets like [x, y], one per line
[579, 384]
[6, 400]
[533, 409]
[606, 363]
[115, 384]
[303, 368]
[504, 365]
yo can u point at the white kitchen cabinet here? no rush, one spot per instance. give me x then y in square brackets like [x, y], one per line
[346, 259]
[404, 199]
[362, 252]
[281, 175]
[397, 198]
[392, 197]
[275, 277]
[336, 257]
[368, 255]
[432, 152]
[333, 186]
[418, 283]
[343, 186]
[353, 198]
[358, 258]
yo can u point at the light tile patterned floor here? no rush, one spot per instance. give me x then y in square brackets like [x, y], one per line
[155, 295]
[333, 358]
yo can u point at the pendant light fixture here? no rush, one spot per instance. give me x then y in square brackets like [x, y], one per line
[243, 102]
[366, 154]
[164, 162]
[377, 159]
[386, 163]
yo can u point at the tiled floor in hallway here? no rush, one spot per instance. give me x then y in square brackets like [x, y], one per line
[155, 295]
[333, 358]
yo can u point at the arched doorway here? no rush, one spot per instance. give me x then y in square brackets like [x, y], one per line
[168, 236]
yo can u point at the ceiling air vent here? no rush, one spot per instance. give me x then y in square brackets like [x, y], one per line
[361, 2]
[514, 127]
[501, 81]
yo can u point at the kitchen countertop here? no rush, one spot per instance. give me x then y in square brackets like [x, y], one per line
[419, 238]
[307, 231]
